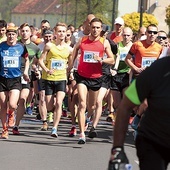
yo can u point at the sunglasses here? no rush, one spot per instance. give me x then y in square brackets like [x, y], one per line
[68, 35]
[161, 37]
[154, 32]
[125, 35]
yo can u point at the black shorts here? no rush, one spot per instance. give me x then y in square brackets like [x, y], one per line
[93, 84]
[106, 81]
[29, 84]
[41, 84]
[52, 87]
[151, 155]
[119, 81]
[7, 84]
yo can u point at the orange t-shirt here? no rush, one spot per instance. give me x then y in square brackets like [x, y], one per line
[145, 54]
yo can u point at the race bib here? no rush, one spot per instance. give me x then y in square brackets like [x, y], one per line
[123, 56]
[23, 81]
[57, 64]
[11, 62]
[147, 61]
[89, 56]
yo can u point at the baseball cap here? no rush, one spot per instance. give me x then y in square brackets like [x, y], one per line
[119, 20]
[12, 29]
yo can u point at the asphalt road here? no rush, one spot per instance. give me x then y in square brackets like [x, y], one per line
[37, 150]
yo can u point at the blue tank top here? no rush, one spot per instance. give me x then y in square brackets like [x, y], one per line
[10, 59]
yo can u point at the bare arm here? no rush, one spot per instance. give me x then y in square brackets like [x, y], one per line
[25, 75]
[122, 121]
[129, 62]
[43, 57]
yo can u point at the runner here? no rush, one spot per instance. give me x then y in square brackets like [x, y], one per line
[3, 27]
[56, 55]
[48, 36]
[103, 91]
[11, 54]
[28, 88]
[89, 75]
[162, 40]
[141, 55]
[73, 73]
[153, 138]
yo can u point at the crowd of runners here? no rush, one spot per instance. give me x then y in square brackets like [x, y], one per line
[87, 68]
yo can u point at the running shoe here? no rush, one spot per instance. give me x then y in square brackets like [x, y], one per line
[64, 113]
[4, 134]
[92, 133]
[29, 110]
[15, 131]
[73, 132]
[82, 139]
[54, 132]
[44, 127]
[50, 117]
[110, 117]
[38, 117]
[11, 119]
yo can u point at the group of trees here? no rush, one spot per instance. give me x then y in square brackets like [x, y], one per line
[101, 9]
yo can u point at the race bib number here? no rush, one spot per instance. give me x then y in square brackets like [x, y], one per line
[123, 56]
[57, 64]
[89, 56]
[11, 62]
[23, 81]
[147, 61]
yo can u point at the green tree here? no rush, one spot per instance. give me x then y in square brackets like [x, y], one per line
[132, 20]
[6, 7]
[100, 8]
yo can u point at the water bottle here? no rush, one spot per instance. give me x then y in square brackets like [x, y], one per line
[124, 166]
[121, 166]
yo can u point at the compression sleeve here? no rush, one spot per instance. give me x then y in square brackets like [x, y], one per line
[131, 93]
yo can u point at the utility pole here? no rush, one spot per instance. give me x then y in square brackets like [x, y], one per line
[75, 18]
[141, 13]
[115, 11]
[89, 6]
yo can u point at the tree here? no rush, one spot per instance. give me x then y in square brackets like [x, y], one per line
[167, 20]
[132, 20]
[100, 8]
[6, 7]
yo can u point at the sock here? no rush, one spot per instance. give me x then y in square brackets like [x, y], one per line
[44, 121]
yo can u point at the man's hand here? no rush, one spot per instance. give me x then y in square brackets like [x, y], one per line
[26, 77]
[117, 158]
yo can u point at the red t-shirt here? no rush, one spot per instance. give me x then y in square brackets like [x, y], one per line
[88, 67]
[116, 38]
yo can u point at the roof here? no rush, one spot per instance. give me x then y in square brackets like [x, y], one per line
[40, 7]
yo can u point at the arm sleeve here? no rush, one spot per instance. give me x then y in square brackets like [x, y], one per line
[132, 94]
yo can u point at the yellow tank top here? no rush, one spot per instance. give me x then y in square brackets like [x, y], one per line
[57, 59]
